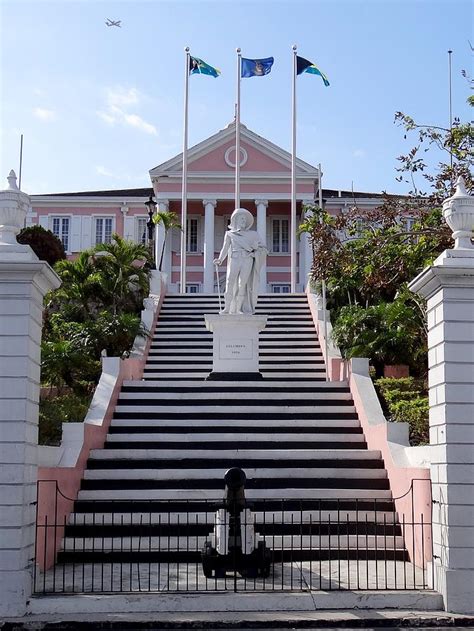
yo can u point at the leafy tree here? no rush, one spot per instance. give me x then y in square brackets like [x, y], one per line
[168, 220]
[44, 243]
[123, 268]
[366, 257]
[81, 284]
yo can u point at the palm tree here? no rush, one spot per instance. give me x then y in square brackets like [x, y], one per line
[80, 282]
[124, 272]
[168, 220]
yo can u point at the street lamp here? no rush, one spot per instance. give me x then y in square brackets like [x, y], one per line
[150, 224]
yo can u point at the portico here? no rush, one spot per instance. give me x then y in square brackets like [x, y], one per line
[265, 192]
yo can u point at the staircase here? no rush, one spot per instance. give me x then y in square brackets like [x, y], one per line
[152, 493]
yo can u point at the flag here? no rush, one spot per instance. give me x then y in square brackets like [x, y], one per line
[198, 66]
[303, 65]
[256, 67]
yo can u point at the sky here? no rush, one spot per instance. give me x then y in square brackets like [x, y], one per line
[100, 106]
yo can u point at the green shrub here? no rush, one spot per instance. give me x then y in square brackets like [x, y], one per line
[404, 401]
[415, 413]
[44, 244]
[63, 409]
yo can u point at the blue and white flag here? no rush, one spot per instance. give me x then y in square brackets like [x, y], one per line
[256, 67]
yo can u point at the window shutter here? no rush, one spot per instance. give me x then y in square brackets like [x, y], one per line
[43, 221]
[76, 233]
[129, 228]
[86, 240]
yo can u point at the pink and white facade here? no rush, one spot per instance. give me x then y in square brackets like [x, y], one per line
[83, 219]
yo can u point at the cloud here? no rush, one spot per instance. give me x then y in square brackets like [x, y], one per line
[119, 100]
[123, 97]
[101, 170]
[359, 153]
[44, 114]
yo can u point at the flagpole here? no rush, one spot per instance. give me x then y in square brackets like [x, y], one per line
[237, 131]
[184, 198]
[293, 180]
[325, 317]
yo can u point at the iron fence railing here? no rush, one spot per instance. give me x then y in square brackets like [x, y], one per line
[207, 545]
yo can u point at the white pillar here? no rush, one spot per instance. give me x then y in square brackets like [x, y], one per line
[209, 206]
[261, 205]
[306, 257]
[24, 280]
[163, 206]
[448, 286]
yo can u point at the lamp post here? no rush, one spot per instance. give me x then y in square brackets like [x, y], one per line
[150, 224]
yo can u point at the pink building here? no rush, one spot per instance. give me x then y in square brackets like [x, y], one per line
[83, 219]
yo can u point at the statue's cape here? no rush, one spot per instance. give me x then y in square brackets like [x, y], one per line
[250, 240]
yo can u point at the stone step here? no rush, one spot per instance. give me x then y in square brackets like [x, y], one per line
[217, 474]
[276, 425]
[216, 494]
[241, 439]
[257, 397]
[189, 410]
[313, 518]
[234, 454]
[237, 386]
[275, 542]
[151, 376]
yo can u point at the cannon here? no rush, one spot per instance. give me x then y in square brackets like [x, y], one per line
[235, 546]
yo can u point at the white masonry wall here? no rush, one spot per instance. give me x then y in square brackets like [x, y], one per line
[23, 282]
[449, 288]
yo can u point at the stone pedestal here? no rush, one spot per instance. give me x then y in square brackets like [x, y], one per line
[235, 345]
[23, 282]
[448, 286]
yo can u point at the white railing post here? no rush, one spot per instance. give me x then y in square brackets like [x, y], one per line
[448, 286]
[24, 280]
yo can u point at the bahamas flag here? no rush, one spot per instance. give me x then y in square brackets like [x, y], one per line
[303, 65]
[198, 66]
[256, 67]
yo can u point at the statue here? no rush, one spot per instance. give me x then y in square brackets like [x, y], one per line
[246, 254]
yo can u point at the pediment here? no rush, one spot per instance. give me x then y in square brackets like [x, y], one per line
[216, 155]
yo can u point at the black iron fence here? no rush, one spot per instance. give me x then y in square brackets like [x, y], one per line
[253, 544]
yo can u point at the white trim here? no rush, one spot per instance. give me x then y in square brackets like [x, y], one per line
[247, 198]
[222, 137]
[245, 157]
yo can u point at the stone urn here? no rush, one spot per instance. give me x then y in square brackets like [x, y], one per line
[13, 208]
[458, 210]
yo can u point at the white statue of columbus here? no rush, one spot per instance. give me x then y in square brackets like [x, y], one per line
[246, 254]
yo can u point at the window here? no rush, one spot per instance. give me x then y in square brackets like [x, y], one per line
[280, 235]
[103, 229]
[192, 288]
[192, 235]
[409, 222]
[61, 228]
[281, 289]
[142, 230]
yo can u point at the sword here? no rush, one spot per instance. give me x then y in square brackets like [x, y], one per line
[218, 287]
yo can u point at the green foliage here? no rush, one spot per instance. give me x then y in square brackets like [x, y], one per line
[387, 332]
[44, 243]
[168, 220]
[61, 409]
[404, 401]
[97, 307]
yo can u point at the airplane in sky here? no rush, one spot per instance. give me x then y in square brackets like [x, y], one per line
[110, 22]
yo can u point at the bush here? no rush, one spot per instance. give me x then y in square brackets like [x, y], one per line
[44, 244]
[67, 408]
[404, 401]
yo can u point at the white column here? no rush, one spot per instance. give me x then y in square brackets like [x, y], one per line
[448, 286]
[24, 280]
[163, 206]
[209, 206]
[306, 257]
[261, 205]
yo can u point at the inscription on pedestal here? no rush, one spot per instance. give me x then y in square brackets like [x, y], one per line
[236, 349]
